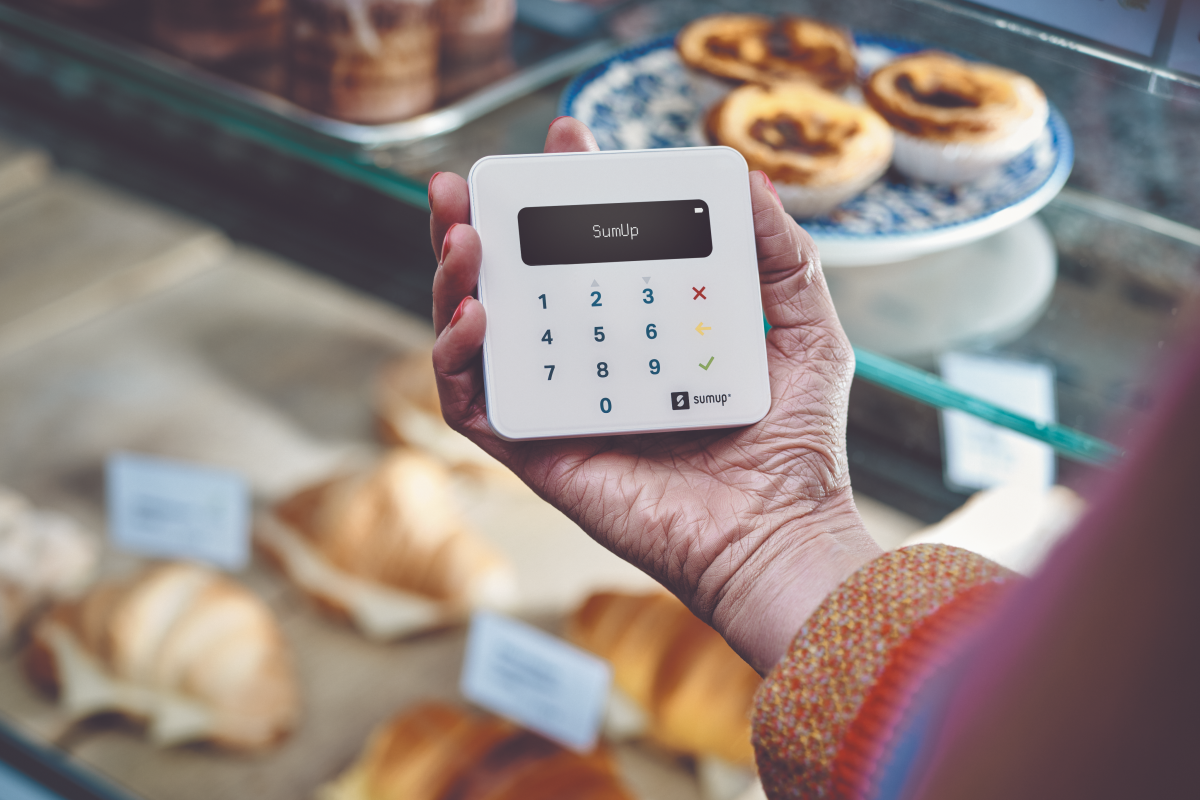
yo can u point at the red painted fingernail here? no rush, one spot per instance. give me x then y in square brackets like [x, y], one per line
[458, 312]
[431, 180]
[446, 243]
[771, 186]
[556, 119]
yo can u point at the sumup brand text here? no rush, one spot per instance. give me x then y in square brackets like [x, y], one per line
[621, 231]
[701, 399]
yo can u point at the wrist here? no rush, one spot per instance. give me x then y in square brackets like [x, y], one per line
[795, 565]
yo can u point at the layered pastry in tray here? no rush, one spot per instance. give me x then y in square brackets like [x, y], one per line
[361, 61]
[439, 752]
[191, 653]
[476, 48]
[364, 61]
[378, 61]
[384, 549]
[475, 31]
[215, 31]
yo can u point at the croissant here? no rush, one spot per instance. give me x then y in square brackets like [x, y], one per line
[194, 654]
[384, 548]
[410, 413]
[437, 752]
[44, 556]
[695, 691]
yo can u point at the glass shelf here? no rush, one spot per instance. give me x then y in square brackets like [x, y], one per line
[1126, 267]
[1154, 69]
[928, 388]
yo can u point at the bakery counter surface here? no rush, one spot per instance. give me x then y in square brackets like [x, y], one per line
[181, 344]
[259, 368]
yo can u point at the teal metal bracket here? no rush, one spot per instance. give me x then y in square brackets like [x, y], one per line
[932, 390]
[927, 388]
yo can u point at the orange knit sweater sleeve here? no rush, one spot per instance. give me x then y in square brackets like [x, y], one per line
[825, 716]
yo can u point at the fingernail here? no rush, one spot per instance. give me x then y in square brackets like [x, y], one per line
[556, 119]
[446, 244]
[431, 180]
[458, 312]
[771, 186]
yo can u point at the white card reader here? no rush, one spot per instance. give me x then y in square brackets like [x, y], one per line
[621, 291]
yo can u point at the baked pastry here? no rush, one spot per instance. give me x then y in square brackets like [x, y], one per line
[44, 556]
[216, 31]
[955, 120]
[476, 38]
[195, 655]
[366, 61]
[475, 31]
[818, 149]
[697, 693]
[409, 413]
[384, 549]
[724, 51]
[438, 752]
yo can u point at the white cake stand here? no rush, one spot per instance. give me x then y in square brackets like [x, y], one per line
[984, 293]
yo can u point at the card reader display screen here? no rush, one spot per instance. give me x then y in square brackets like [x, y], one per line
[609, 232]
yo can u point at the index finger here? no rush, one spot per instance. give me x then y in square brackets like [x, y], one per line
[449, 204]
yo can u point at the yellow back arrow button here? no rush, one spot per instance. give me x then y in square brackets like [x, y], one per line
[701, 328]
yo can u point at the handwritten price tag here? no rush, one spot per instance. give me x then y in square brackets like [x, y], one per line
[536, 680]
[980, 455]
[170, 509]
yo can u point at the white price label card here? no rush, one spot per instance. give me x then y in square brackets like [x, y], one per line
[980, 455]
[536, 680]
[170, 509]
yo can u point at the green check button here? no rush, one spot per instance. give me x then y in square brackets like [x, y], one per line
[709, 364]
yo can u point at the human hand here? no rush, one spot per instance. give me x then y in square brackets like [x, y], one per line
[751, 527]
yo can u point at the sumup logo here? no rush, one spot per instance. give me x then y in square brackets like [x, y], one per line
[701, 399]
[682, 401]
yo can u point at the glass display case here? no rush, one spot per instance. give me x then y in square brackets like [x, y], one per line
[1099, 280]
[1115, 104]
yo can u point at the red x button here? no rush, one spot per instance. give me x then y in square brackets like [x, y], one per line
[699, 293]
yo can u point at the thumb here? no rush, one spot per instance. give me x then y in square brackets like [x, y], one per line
[794, 293]
[569, 135]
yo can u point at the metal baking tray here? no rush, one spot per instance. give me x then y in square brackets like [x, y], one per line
[541, 59]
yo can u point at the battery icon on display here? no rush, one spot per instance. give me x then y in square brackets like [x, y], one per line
[699, 210]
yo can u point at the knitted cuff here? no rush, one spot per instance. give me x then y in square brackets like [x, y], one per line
[825, 715]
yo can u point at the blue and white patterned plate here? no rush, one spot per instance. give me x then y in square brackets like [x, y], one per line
[641, 98]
